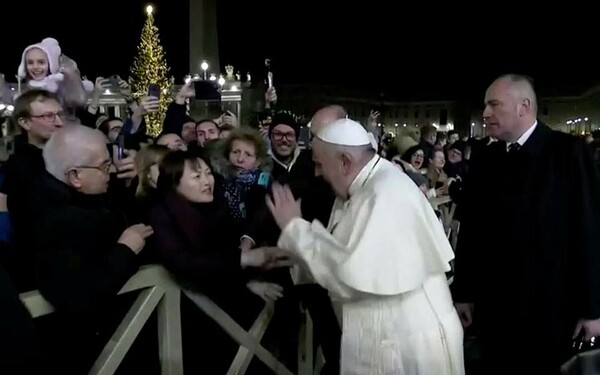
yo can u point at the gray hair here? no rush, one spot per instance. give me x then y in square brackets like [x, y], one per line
[71, 146]
[523, 86]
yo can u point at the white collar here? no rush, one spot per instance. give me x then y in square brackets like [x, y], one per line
[362, 176]
[521, 141]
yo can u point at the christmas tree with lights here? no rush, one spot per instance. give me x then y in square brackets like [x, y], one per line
[149, 69]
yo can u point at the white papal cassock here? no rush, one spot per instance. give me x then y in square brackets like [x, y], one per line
[383, 257]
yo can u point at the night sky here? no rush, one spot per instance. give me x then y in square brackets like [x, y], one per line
[379, 48]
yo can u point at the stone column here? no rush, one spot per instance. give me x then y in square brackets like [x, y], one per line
[203, 46]
[203, 36]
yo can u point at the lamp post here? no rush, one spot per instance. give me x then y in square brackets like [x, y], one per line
[204, 67]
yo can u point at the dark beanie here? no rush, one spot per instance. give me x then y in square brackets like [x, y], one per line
[284, 119]
[459, 145]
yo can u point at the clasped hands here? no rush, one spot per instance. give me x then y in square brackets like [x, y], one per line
[284, 209]
[266, 258]
[263, 257]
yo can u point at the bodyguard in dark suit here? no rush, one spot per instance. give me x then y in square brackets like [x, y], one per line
[528, 256]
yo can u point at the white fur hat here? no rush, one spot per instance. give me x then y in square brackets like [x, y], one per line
[52, 50]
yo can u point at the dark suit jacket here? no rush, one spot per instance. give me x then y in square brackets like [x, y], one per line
[22, 174]
[81, 268]
[80, 264]
[528, 252]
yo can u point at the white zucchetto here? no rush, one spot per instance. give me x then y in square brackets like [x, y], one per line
[344, 132]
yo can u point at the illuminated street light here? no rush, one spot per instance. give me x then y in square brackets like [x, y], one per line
[204, 67]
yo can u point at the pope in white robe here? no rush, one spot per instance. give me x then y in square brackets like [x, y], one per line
[383, 257]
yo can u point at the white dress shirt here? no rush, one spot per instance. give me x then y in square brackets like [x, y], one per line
[521, 141]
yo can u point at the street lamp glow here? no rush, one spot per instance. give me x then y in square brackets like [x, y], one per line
[404, 125]
[234, 88]
[10, 108]
[221, 80]
[149, 9]
[585, 119]
[204, 67]
[213, 77]
[396, 125]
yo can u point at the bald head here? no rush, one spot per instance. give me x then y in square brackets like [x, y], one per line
[326, 115]
[71, 146]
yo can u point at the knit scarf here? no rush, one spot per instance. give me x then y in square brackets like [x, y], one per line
[235, 191]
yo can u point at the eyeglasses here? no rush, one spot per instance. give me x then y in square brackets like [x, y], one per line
[279, 136]
[104, 167]
[49, 116]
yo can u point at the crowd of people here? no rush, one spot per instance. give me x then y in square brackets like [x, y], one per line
[343, 227]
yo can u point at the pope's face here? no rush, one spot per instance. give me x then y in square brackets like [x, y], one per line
[329, 164]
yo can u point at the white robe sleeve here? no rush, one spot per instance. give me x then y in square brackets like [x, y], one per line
[320, 252]
[384, 244]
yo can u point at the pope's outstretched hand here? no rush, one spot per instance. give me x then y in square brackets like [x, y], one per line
[283, 206]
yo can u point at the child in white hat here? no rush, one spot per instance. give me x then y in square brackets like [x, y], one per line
[44, 66]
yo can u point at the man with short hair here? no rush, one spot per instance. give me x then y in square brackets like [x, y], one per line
[206, 130]
[383, 257]
[39, 114]
[86, 248]
[527, 258]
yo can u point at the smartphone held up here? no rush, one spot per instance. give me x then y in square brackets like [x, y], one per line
[120, 149]
[154, 90]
